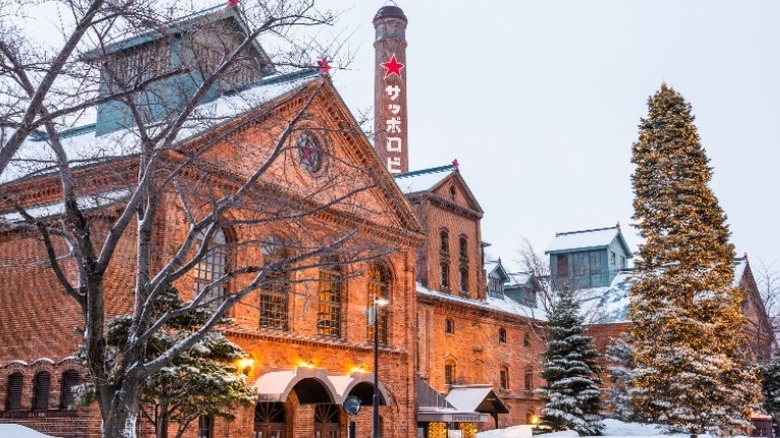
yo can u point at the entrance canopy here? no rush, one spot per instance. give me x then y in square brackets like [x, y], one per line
[432, 407]
[479, 398]
[314, 385]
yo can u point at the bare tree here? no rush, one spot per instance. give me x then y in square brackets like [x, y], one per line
[174, 188]
[767, 279]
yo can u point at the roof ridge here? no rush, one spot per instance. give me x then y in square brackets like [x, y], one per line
[565, 233]
[430, 170]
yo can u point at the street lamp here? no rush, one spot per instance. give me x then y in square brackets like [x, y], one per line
[379, 302]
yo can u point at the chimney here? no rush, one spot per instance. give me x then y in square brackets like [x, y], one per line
[390, 127]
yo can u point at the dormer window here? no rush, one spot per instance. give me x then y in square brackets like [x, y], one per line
[612, 258]
[444, 241]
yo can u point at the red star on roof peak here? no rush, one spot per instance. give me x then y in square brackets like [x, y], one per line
[393, 67]
[324, 66]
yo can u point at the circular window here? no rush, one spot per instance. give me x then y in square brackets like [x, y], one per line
[309, 153]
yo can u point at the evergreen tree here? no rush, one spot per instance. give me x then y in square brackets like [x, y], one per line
[771, 385]
[199, 382]
[572, 399]
[693, 365]
[620, 357]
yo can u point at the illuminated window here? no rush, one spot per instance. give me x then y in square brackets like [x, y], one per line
[449, 326]
[503, 378]
[274, 292]
[209, 270]
[378, 283]
[502, 335]
[331, 292]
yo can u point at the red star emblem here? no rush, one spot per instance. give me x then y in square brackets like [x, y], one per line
[324, 67]
[393, 67]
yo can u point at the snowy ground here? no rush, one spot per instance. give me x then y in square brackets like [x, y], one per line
[614, 428]
[17, 431]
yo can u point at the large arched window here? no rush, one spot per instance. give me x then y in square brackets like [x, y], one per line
[274, 293]
[331, 294]
[41, 385]
[270, 420]
[70, 379]
[210, 268]
[13, 400]
[378, 288]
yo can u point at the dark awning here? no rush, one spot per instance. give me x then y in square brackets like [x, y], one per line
[432, 407]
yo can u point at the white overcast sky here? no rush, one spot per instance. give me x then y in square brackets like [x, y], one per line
[540, 100]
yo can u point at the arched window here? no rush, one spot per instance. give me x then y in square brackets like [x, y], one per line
[378, 285]
[449, 373]
[331, 294]
[502, 335]
[41, 385]
[526, 340]
[70, 379]
[449, 326]
[444, 241]
[463, 247]
[464, 279]
[503, 378]
[274, 292]
[13, 401]
[211, 267]
[270, 420]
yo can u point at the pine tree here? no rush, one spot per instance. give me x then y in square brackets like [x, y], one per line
[620, 357]
[693, 365]
[771, 385]
[572, 399]
[199, 382]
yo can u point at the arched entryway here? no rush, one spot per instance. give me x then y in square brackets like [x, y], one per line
[327, 421]
[270, 420]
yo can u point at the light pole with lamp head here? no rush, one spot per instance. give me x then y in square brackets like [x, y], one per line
[379, 302]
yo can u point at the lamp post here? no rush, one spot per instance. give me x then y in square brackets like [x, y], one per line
[379, 302]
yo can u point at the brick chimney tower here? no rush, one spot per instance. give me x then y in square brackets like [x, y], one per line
[390, 117]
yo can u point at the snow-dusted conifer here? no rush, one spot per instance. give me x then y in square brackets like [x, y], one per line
[620, 359]
[572, 399]
[201, 381]
[693, 370]
[771, 385]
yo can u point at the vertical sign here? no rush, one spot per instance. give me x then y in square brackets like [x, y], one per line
[390, 116]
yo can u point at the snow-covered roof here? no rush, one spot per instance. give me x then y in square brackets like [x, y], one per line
[584, 239]
[611, 304]
[85, 203]
[469, 397]
[19, 431]
[422, 180]
[499, 304]
[83, 147]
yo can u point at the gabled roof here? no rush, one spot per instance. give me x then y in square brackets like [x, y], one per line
[477, 398]
[499, 271]
[584, 240]
[427, 181]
